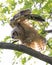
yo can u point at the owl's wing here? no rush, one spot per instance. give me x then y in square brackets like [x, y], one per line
[23, 15]
[34, 17]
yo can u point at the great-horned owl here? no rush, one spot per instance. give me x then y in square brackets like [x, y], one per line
[23, 30]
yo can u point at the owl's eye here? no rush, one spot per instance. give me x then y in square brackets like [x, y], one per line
[15, 33]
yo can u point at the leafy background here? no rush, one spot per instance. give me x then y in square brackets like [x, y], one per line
[9, 8]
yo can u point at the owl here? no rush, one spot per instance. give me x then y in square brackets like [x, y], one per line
[25, 32]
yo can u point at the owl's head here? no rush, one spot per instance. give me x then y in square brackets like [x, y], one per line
[17, 33]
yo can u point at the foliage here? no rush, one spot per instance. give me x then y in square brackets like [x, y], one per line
[41, 7]
[50, 43]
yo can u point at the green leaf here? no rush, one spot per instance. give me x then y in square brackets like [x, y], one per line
[6, 38]
[2, 17]
[12, 3]
[20, 1]
[48, 6]
[50, 54]
[18, 54]
[39, 1]
[23, 60]
[36, 11]
[50, 43]
[27, 4]
[5, 9]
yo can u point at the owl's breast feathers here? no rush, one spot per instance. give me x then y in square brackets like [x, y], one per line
[32, 38]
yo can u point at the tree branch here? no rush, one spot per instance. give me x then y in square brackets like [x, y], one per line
[27, 50]
[48, 31]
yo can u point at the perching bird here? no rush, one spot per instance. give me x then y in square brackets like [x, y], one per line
[25, 32]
